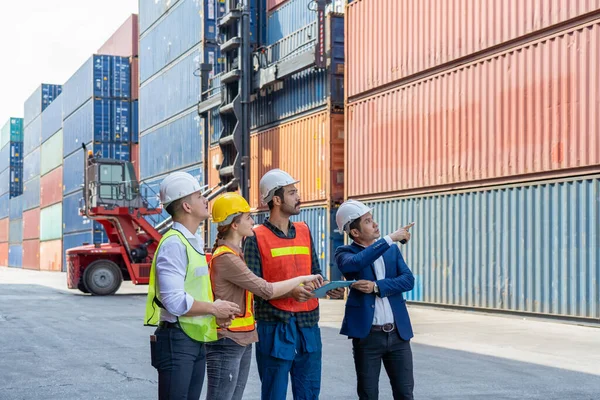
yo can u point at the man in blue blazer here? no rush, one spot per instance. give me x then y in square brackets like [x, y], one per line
[376, 318]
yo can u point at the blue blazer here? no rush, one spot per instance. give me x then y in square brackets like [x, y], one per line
[356, 263]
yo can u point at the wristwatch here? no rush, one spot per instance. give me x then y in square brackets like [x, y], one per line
[376, 289]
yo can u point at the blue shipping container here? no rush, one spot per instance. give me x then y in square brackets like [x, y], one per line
[527, 248]
[32, 136]
[152, 10]
[173, 90]
[302, 92]
[215, 125]
[99, 120]
[43, 96]
[31, 194]
[4, 206]
[100, 77]
[12, 131]
[290, 17]
[52, 119]
[173, 146]
[15, 231]
[187, 24]
[32, 164]
[135, 119]
[15, 256]
[317, 219]
[12, 155]
[72, 221]
[16, 207]
[11, 181]
[73, 240]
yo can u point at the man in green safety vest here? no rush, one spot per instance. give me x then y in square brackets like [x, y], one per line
[180, 296]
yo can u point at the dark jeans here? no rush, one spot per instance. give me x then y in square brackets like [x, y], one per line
[396, 355]
[180, 362]
[227, 366]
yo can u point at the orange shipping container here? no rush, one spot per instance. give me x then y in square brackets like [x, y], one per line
[31, 224]
[3, 254]
[51, 255]
[135, 159]
[124, 42]
[388, 40]
[51, 187]
[531, 110]
[31, 254]
[215, 158]
[4, 225]
[311, 149]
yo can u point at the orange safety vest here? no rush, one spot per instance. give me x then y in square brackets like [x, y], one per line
[286, 258]
[245, 322]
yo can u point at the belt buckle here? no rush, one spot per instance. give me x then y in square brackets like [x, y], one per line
[387, 328]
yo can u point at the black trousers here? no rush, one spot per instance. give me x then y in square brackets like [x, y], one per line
[180, 362]
[396, 356]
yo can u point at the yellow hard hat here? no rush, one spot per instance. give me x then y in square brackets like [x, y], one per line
[228, 205]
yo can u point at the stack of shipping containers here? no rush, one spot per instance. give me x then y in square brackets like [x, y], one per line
[298, 124]
[175, 38]
[96, 112]
[481, 125]
[34, 107]
[11, 188]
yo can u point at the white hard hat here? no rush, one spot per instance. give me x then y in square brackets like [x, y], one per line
[349, 211]
[273, 180]
[176, 186]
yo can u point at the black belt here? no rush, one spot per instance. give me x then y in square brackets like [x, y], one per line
[169, 325]
[387, 328]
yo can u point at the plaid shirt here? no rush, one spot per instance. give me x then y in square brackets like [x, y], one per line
[263, 310]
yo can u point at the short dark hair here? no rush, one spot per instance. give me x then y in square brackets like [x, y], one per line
[354, 225]
[279, 193]
[175, 207]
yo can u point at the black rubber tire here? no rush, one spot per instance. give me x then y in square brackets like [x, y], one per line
[81, 287]
[102, 278]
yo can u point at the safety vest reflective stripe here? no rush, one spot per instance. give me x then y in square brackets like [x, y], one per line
[290, 251]
[244, 323]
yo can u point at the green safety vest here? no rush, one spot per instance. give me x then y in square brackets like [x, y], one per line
[197, 284]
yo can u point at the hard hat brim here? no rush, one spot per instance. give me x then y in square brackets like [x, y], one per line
[166, 204]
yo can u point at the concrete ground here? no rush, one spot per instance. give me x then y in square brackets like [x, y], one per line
[61, 344]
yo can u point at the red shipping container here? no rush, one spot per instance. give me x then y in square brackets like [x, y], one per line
[51, 187]
[124, 42]
[388, 40]
[31, 254]
[526, 113]
[311, 149]
[135, 77]
[31, 224]
[135, 159]
[3, 254]
[4, 226]
[51, 255]
[273, 4]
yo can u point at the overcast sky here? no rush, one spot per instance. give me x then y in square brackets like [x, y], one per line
[47, 40]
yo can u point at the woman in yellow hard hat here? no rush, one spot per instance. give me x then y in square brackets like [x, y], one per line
[228, 359]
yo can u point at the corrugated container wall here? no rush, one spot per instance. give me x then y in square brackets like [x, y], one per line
[31, 254]
[526, 111]
[15, 208]
[100, 76]
[124, 41]
[4, 229]
[32, 164]
[311, 149]
[51, 255]
[290, 17]
[188, 23]
[51, 120]
[4, 254]
[51, 222]
[12, 131]
[15, 256]
[31, 194]
[4, 205]
[172, 146]
[31, 224]
[51, 187]
[15, 231]
[39, 100]
[411, 36]
[32, 135]
[52, 153]
[531, 248]
[152, 10]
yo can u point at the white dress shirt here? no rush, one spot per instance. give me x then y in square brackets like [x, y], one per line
[171, 265]
[383, 310]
